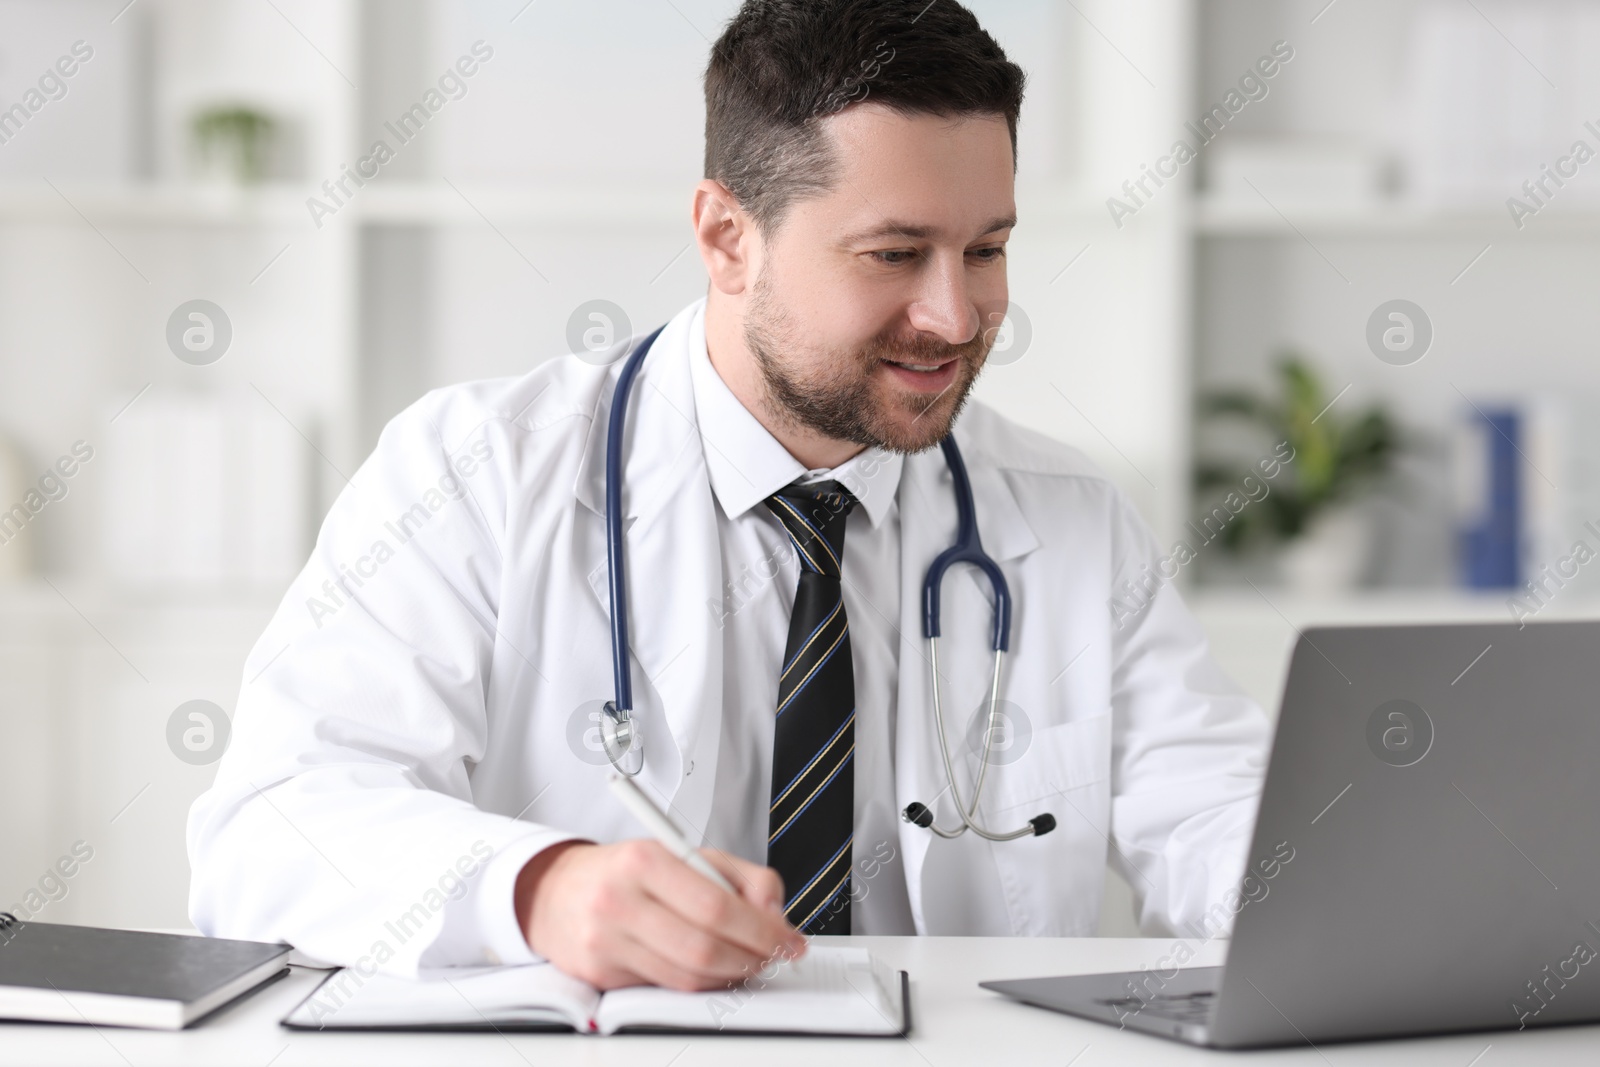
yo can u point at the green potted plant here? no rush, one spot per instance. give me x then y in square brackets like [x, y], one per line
[1308, 509]
[232, 141]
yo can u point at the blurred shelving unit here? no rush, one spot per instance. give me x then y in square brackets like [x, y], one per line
[104, 231]
[88, 679]
[1428, 118]
[155, 204]
[1217, 217]
[1435, 113]
[1252, 631]
[402, 203]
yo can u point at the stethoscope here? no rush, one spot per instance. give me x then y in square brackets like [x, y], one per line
[619, 730]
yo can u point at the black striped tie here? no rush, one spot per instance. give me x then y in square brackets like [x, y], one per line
[811, 822]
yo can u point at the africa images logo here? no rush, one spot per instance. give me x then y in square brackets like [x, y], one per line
[1399, 733]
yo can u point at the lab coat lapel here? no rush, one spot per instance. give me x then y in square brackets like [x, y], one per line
[928, 523]
[673, 566]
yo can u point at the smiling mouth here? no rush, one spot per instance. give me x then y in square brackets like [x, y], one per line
[921, 368]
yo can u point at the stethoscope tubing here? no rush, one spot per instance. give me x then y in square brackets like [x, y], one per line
[615, 564]
[620, 733]
[968, 548]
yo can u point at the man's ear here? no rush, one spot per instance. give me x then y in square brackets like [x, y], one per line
[726, 236]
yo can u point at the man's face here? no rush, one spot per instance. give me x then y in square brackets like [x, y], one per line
[875, 306]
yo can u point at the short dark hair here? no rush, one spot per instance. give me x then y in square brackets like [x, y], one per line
[781, 66]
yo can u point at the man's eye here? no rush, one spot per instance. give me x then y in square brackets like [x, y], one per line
[900, 256]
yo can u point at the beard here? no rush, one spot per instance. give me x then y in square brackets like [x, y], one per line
[841, 400]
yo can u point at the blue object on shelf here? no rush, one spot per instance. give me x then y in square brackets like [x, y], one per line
[1489, 537]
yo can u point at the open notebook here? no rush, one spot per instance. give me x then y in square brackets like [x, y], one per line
[834, 991]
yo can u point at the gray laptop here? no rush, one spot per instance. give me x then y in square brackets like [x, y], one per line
[1425, 856]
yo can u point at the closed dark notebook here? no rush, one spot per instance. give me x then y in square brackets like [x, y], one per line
[86, 974]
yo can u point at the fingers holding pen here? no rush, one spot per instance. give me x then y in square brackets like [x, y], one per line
[634, 913]
[751, 920]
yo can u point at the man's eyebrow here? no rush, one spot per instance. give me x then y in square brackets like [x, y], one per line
[891, 228]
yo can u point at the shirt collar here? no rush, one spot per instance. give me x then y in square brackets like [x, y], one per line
[747, 464]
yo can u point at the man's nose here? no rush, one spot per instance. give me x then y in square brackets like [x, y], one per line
[944, 306]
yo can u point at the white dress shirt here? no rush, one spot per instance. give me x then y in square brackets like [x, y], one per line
[746, 465]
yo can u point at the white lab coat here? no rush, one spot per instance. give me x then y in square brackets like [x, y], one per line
[390, 732]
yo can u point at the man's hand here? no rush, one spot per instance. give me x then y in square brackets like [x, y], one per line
[634, 914]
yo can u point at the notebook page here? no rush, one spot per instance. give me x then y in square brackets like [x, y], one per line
[454, 996]
[829, 990]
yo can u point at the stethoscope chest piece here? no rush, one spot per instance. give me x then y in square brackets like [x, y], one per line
[621, 738]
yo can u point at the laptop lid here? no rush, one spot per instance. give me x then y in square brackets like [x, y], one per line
[1431, 800]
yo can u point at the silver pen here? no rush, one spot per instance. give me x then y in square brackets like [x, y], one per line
[655, 820]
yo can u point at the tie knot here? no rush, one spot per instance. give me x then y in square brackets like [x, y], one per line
[814, 516]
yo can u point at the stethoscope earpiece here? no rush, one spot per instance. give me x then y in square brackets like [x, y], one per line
[920, 815]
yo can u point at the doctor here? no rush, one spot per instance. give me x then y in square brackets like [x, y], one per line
[415, 777]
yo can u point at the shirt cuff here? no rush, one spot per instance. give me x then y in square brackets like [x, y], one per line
[482, 926]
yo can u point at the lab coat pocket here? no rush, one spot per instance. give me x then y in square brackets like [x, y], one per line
[1056, 760]
[1052, 884]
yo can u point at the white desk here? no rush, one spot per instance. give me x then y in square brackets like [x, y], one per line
[954, 1024]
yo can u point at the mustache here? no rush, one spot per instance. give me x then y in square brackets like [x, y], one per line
[926, 349]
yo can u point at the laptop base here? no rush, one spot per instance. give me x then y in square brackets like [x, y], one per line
[1175, 1004]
